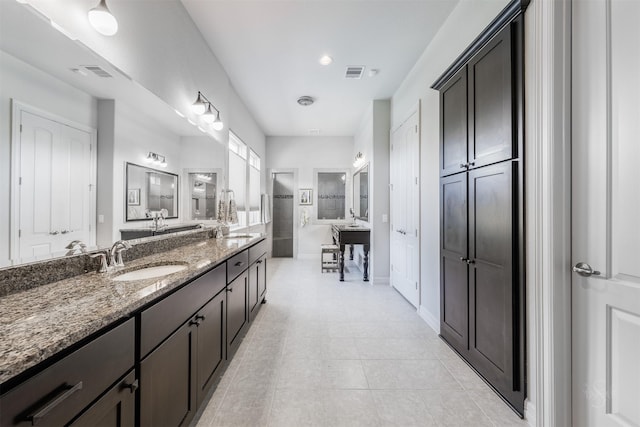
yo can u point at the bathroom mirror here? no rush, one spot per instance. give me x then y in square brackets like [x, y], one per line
[361, 194]
[45, 74]
[202, 192]
[150, 193]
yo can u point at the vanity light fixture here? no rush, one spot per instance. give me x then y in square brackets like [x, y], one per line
[359, 161]
[203, 107]
[156, 159]
[102, 20]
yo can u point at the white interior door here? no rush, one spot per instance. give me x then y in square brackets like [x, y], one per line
[55, 194]
[405, 209]
[606, 212]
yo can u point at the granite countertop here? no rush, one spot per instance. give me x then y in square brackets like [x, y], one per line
[38, 323]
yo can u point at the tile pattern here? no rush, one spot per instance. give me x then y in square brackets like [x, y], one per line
[328, 353]
[39, 322]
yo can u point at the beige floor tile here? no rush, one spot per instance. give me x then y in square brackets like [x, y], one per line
[328, 353]
[393, 348]
[401, 408]
[408, 375]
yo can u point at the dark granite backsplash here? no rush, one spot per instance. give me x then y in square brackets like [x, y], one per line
[27, 276]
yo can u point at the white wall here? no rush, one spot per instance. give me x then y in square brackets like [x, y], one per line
[31, 86]
[464, 24]
[306, 153]
[372, 140]
[466, 21]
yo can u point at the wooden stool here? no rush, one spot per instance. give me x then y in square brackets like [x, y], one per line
[331, 264]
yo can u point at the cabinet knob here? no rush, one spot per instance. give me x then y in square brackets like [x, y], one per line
[229, 289]
[464, 165]
[132, 387]
[463, 259]
[200, 317]
[239, 264]
[471, 261]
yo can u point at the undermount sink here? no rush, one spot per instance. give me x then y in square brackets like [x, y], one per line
[238, 236]
[150, 272]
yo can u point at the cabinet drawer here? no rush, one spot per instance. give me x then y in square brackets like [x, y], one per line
[160, 320]
[57, 394]
[237, 265]
[256, 251]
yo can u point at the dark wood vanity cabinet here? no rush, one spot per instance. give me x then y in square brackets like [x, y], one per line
[74, 389]
[257, 285]
[257, 277]
[237, 312]
[176, 376]
[115, 409]
[481, 206]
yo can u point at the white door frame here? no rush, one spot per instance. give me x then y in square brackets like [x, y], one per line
[548, 210]
[17, 107]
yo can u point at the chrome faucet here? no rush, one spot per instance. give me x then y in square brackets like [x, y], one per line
[115, 259]
[74, 246]
[104, 262]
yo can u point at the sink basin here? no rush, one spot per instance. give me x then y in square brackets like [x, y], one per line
[150, 272]
[238, 236]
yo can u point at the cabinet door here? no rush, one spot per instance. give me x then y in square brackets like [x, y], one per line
[117, 408]
[237, 313]
[491, 114]
[211, 343]
[453, 124]
[167, 381]
[454, 291]
[492, 279]
[262, 278]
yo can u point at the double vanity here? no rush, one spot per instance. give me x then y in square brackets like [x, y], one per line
[142, 344]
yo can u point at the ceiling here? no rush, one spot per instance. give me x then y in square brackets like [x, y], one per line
[271, 50]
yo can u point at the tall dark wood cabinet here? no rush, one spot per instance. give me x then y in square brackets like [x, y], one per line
[481, 205]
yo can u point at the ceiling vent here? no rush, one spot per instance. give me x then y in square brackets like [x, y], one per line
[305, 101]
[97, 71]
[354, 72]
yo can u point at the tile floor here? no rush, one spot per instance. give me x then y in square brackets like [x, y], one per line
[326, 353]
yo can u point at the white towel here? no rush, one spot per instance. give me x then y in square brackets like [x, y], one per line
[266, 208]
[304, 217]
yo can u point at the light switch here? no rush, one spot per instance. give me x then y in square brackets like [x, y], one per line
[101, 219]
[385, 218]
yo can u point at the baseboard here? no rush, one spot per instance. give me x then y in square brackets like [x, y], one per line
[430, 319]
[381, 280]
[530, 413]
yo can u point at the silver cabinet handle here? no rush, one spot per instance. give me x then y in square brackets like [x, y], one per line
[585, 270]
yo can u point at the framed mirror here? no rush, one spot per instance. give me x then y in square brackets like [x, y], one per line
[150, 191]
[361, 194]
[202, 194]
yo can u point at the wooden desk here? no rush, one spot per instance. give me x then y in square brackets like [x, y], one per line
[347, 235]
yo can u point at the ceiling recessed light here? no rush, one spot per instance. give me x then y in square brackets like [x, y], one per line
[305, 101]
[326, 60]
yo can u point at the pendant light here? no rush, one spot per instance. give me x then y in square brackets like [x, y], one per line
[102, 20]
[208, 116]
[217, 123]
[199, 106]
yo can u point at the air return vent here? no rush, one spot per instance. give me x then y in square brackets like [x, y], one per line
[97, 71]
[354, 72]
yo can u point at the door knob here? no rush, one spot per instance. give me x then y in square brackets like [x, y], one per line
[585, 270]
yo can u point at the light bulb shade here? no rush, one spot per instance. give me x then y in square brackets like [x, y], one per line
[208, 116]
[199, 106]
[102, 20]
[217, 123]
